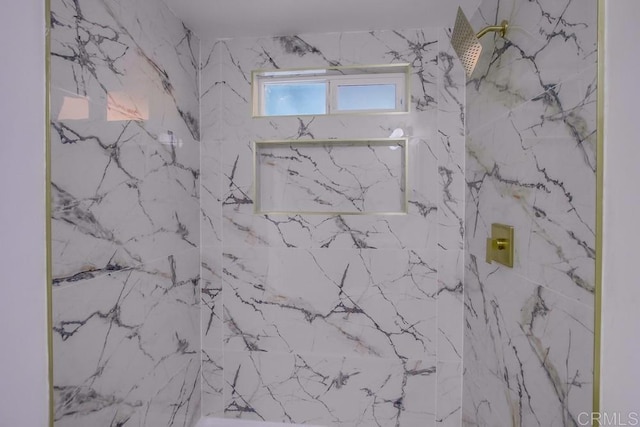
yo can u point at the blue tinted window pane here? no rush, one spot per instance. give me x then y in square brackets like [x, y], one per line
[367, 97]
[282, 99]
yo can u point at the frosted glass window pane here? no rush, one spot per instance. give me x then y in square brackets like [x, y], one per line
[283, 99]
[367, 97]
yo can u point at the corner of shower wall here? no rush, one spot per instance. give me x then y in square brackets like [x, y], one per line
[211, 193]
[530, 163]
[125, 162]
[451, 135]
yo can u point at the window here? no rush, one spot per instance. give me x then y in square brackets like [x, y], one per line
[330, 91]
[288, 98]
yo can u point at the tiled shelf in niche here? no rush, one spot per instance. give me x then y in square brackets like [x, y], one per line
[341, 177]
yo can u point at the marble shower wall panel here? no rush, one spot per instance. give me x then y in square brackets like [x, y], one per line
[211, 180]
[451, 140]
[124, 347]
[363, 302]
[528, 352]
[329, 390]
[125, 158]
[333, 319]
[241, 56]
[449, 392]
[543, 186]
[451, 180]
[531, 156]
[131, 146]
[539, 159]
[414, 230]
[364, 177]
[548, 42]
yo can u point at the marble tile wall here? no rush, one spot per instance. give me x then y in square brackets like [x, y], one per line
[366, 176]
[530, 162]
[125, 160]
[336, 320]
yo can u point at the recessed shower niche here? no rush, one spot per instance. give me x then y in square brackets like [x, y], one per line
[331, 177]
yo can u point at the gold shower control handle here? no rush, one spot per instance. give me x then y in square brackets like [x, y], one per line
[500, 245]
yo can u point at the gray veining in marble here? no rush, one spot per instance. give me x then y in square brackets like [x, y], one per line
[125, 158]
[531, 145]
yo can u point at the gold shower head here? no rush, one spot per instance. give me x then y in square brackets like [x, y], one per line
[465, 40]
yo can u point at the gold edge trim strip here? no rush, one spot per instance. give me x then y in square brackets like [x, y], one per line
[48, 234]
[338, 67]
[339, 114]
[336, 141]
[404, 142]
[597, 341]
[407, 90]
[330, 213]
[405, 147]
[254, 148]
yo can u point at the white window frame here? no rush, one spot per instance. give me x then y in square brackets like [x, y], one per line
[395, 79]
[333, 78]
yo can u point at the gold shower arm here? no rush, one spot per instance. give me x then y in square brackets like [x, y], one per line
[465, 40]
[502, 29]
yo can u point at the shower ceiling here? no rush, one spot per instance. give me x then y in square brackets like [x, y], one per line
[235, 18]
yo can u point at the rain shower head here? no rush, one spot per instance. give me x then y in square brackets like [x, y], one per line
[465, 40]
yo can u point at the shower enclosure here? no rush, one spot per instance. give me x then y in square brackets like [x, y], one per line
[173, 299]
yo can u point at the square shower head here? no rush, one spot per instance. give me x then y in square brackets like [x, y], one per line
[465, 43]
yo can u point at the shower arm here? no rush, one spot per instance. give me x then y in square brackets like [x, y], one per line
[502, 29]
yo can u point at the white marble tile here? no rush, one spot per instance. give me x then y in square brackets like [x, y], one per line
[129, 148]
[540, 179]
[211, 304]
[212, 383]
[330, 391]
[135, 47]
[211, 194]
[177, 401]
[339, 232]
[530, 163]
[125, 163]
[283, 273]
[547, 42]
[226, 422]
[211, 85]
[413, 230]
[450, 154]
[360, 302]
[335, 176]
[241, 56]
[135, 221]
[416, 124]
[450, 305]
[126, 344]
[449, 390]
[528, 352]
[568, 110]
